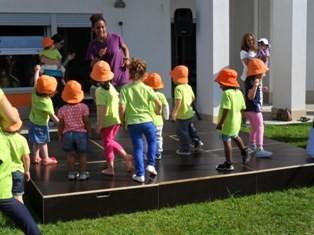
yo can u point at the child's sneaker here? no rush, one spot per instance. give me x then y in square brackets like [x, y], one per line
[198, 145]
[226, 166]
[73, 175]
[246, 156]
[151, 170]
[252, 148]
[183, 152]
[84, 175]
[260, 152]
[158, 156]
[140, 179]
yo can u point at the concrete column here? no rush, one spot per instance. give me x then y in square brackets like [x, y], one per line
[212, 52]
[288, 55]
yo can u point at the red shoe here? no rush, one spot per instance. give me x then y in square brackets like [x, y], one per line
[49, 161]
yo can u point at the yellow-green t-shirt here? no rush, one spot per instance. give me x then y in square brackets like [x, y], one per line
[158, 119]
[41, 110]
[233, 101]
[5, 169]
[110, 99]
[51, 53]
[18, 148]
[184, 93]
[136, 97]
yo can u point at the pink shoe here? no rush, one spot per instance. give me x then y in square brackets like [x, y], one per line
[49, 161]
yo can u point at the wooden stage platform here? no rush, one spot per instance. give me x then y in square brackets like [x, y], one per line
[180, 180]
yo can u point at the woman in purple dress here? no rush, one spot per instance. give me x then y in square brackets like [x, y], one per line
[111, 48]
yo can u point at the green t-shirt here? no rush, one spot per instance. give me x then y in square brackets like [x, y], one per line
[136, 97]
[41, 110]
[18, 148]
[233, 101]
[52, 54]
[110, 99]
[184, 93]
[5, 169]
[157, 119]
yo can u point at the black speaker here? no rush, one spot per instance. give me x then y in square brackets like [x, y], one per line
[183, 22]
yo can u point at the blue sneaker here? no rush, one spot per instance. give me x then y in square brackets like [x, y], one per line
[260, 152]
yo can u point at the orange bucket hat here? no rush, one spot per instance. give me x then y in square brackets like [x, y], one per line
[101, 72]
[72, 92]
[46, 85]
[154, 81]
[180, 74]
[15, 127]
[47, 42]
[256, 66]
[227, 77]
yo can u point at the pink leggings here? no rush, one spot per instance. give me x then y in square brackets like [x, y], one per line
[257, 127]
[110, 144]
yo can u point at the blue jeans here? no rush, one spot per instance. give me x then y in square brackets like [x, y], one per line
[136, 132]
[19, 214]
[186, 130]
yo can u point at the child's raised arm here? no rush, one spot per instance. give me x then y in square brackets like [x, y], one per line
[36, 74]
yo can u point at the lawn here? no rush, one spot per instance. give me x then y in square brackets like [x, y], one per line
[286, 212]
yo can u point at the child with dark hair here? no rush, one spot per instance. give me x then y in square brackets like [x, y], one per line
[74, 128]
[230, 114]
[108, 119]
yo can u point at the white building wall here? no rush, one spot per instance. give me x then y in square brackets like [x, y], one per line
[310, 53]
[146, 25]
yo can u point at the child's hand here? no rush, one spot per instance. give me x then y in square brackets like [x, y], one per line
[37, 68]
[70, 56]
[173, 116]
[256, 83]
[27, 176]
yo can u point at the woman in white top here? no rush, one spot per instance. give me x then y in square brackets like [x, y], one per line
[248, 50]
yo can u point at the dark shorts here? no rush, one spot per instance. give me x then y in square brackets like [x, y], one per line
[18, 183]
[38, 134]
[75, 141]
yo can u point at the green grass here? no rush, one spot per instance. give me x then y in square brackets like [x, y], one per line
[287, 212]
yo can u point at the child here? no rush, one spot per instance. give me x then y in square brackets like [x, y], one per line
[253, 112]
[154, 81]
[135, 100]
[51, 58]
[42, 109]
[229, 118]
[19, 152]
[108, 120]
[9, 206]
[183, 112]
[263, 52]
[74, 128]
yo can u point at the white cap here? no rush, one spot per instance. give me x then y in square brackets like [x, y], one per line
[264, 40]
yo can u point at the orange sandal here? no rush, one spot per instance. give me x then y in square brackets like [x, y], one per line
[49, 161]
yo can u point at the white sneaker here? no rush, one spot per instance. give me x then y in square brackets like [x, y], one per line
[140, 179]
[260, 152]
[151, 170]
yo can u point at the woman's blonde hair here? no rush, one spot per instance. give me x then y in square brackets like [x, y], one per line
[137, 69]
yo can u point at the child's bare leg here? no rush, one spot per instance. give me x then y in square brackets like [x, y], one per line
[128, 159]
[239, 142]
[44, 151]
[36, 157]
[228, 151]
[70, 161]
[83, 161]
